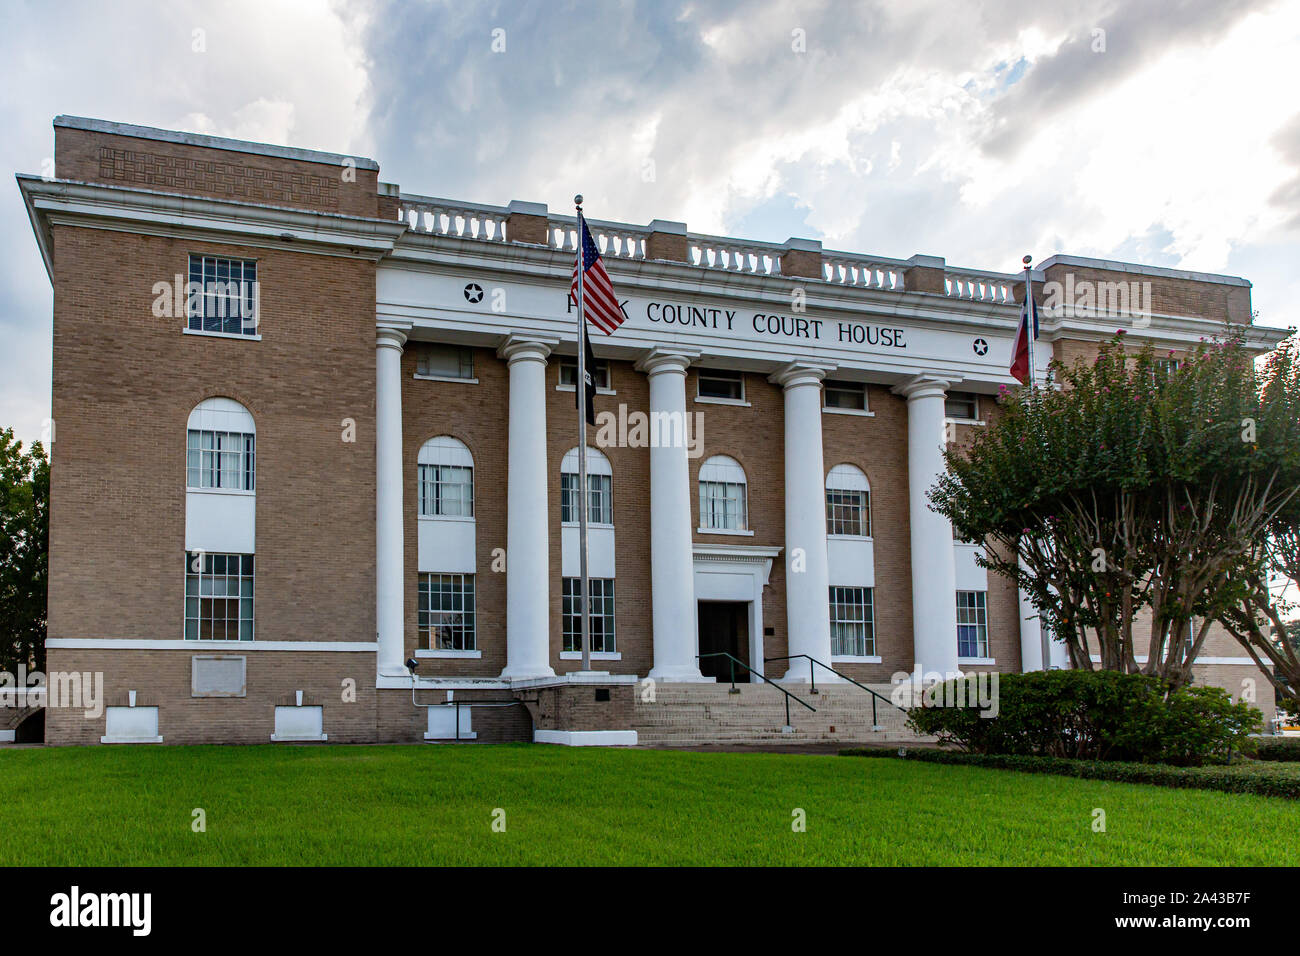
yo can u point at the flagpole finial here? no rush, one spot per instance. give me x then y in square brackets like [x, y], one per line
[577, 200]
[1026, 260]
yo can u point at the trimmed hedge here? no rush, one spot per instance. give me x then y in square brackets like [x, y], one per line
[1238, 777]
[1091, 715]
[1283, 749]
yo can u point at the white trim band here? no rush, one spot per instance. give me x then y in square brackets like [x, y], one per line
[134, 644]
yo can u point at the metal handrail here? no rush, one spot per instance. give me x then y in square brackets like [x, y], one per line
[735, 661]
[812, 682]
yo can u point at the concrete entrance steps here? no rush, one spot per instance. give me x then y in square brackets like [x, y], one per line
[699, 714]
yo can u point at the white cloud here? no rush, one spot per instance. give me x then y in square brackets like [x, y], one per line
[975, 131]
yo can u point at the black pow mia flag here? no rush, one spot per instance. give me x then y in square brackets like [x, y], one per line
[591, 381]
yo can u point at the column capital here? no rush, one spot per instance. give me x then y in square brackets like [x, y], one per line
[800, 373]
[391, 335]
[663, 358]
[923, 386]
[525, 348]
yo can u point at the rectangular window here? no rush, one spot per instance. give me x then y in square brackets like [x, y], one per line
[722, 383]
[445, 361]
[222, 295]
[219, 460]
[848, 512]
[445, 618]
[972, 624]
[600, 504]
[853, 632]
[446, 491]
[964, 406]
[851, 395]
[599, 374]
[1166, 366]
[722, 506]
[218, 597]
[601, 617]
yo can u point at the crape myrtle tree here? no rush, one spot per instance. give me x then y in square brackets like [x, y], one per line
[1270, 577]
[24, 538]
[1130, 501]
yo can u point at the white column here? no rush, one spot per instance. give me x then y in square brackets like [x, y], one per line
[528, 639]
[672, 570]
[934, 579]
[807, 575]
[1031, 634]
[389, 560]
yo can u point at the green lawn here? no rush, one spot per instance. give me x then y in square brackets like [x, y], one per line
[434, 805]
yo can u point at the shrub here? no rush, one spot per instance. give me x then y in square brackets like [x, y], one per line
[1240, 777]
[1285, 749]
[1094, 715]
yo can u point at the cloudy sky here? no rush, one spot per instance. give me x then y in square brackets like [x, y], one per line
[977, 130]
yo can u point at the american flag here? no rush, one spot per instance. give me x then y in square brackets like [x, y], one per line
[601, 304]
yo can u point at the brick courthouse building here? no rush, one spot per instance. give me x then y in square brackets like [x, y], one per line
[262, 507]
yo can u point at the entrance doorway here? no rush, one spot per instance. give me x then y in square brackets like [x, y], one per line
[724, 628]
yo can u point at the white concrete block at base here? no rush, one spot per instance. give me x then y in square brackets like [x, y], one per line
[7, 736]
[442, 723]
[586, 738]
[130, 725]
[299, 724]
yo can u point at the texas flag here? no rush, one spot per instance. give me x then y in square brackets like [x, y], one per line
[1020, 357]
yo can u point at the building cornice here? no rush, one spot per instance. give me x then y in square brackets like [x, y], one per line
[146, 212]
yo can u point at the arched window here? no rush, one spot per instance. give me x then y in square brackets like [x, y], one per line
[600, 500]
[446, 479]
[722, 495]
[219, 447]
[848, 502]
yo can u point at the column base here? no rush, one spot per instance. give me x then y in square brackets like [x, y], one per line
[526, 672]
[680, 675]
[800, 672]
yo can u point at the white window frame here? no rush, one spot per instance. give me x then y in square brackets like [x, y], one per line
[233, 434]
[600, 485]
[216, 277]
[719, 477]
[973, 613]
[465, 362]
[603, 376]
[975, 406]
[720, 374]
[847, 479]
[839, 385]
[852, 608]
[206, 454]
[602, 610]
[200, 574]
[444, 462]
[463, 588]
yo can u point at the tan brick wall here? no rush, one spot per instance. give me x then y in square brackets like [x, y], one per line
[117, 160]
[477, 416]
[574, 707]
[124, 385]
[878, 445]
[1169, 295]
[162, 679]
[754, 436]
[631, 490]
